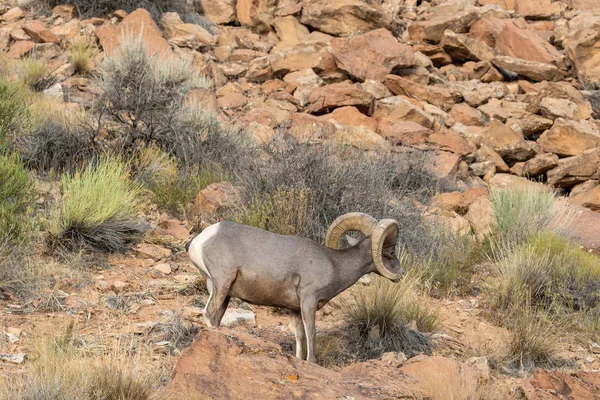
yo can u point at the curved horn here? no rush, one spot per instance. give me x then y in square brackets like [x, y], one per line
[354, 221]
[384, 234]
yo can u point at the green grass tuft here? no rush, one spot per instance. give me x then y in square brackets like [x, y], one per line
[16, 188]
[99, 207]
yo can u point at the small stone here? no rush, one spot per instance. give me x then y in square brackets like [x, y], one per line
[146, 250]
[163, 268]
[192, 312]
[14, 331]
[14, 358]
[595, 348]
[236, 316]
[395, 359]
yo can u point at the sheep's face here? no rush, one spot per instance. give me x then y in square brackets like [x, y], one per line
[391, 262]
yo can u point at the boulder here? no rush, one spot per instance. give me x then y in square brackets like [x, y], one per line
[484, 168]
[506, 181]
[138, 24]
[570, 138]
[220, 363]
[405, 133]
[432, 30]
[514, 38]
[476, 94]
[450, 141]
[529, 125]
[39, 33]
[344, 17]
[444, 165]
[437, 96]
[582, 46]
[539, 164]
[586, 195]
[351, 116]
[481, 217]
[185, 35]
[253, 13]
[560, 90]
[574, 170]
[20, 48]
[218, 11]
[290, 31]
[497, 135]
[518, 151]
[302, 56]
[13, 14]
[399, 108]
[533, 70]
[359, 136]
[372, 55]
[463, 48]
[376, 88]
[560, 385]
[458, 202]
[560, 108]
[466, 115]
[212, 200]
[175, 228]
[326, 98]
[306, 127]
[537, 9]
[486, 153]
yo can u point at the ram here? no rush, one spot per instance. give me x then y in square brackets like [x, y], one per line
[291, 272]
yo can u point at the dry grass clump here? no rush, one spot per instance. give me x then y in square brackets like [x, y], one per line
[286, 211]
[378, 318]
[65, 369]
[82, 55]
[103, 8]
[32, 72]
[99, 207]
[178, 332]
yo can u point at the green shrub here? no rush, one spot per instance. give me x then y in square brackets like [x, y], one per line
[173, 189]
[14, 115]
[554, 274]
[522, 211]
[16, 188]
[99, 207]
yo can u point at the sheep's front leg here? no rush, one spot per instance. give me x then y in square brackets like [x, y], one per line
[299, 333]
[309, 309]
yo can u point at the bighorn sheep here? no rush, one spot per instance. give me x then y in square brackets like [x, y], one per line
[291, 272]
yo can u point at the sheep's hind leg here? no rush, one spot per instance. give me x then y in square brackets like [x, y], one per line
[299, 334]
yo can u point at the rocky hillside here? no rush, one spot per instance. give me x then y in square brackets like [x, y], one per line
[489, 95]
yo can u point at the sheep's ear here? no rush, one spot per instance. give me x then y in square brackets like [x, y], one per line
[352, 241]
